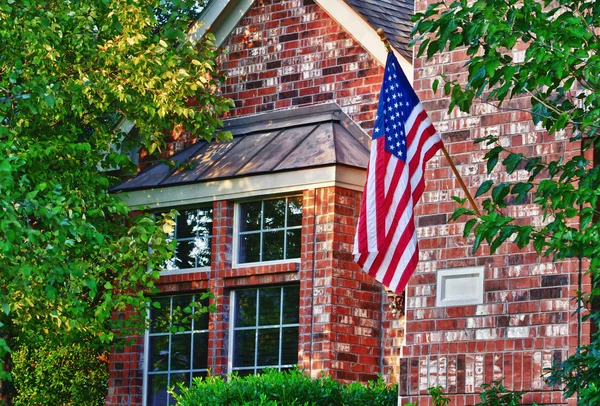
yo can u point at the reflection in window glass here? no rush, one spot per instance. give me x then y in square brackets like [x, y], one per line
[265, 328]
[193, 232]
[270, 230]
[175, 357]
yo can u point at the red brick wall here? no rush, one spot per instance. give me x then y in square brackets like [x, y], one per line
[526, 321]
[286, 54]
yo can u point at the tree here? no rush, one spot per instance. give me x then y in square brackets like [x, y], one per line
[559, 74]
[72, 254]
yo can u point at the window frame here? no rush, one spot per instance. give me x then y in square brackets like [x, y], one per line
[232, 329]
[146, 352]
[237, 229]
[179, 271]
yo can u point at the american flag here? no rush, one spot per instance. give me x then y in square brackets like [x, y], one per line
[403, 140]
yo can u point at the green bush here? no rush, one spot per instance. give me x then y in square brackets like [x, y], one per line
[293, 387]
[52, 375]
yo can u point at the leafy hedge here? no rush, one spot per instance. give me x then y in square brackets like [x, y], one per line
[294, 388]
[56, 375]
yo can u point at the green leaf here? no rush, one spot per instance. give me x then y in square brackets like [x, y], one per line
[484, 187]
[468, 227]
[49, 99]
[499, 192]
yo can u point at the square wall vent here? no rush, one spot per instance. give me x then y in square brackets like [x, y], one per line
[459, 286]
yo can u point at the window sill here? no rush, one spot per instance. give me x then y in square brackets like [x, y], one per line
[266, 263]
[185, 271]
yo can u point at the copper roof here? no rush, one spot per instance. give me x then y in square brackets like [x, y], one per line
[277, 141]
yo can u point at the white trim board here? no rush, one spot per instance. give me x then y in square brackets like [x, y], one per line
[245, 187]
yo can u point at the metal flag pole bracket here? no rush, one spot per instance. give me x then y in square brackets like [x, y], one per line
[386, 42]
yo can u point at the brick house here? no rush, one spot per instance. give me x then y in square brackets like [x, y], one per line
[267, 224]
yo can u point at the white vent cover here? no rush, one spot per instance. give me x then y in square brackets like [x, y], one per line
[459, 286]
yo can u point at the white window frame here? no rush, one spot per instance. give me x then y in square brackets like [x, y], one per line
[146, 353]
[236, 233]
[180, 271]
[256, 328]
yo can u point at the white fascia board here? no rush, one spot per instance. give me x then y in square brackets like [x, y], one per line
[227, 12]
[246, 187]
[362, 32]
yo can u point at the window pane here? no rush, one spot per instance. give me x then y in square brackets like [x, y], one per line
[293, 243]
[160, 318]
[182, 312]
[157, 390]
[294, 211]
[245, 308]
[273, 245]
[184, 255]
[289, 346]
[268, 347]
[269, 304]
[201, 251]
[201, 317]
[291, 303]
[185, 224]
[176, 379]
[250, 248]
[274, 214]
[181, 346]
[159, 353]
[250, 216]
[200, 351]
[243, 352]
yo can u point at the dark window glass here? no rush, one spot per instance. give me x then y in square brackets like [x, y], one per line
[244, 348]
[289, 345]
[193, 233]
[269, 304]
[251, 216]
[273, 245]
[294, 214]
[274, 213]
[245, 308]
[268, 347]
[291, 303]
[250, 248]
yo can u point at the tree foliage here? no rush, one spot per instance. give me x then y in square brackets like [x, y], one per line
[72, 254]
[559, 75]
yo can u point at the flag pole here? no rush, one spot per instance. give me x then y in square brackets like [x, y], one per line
[388, 47]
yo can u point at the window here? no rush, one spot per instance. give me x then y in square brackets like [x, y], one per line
[193, 232]
[175, 352]
[270, 230]
[265, 329]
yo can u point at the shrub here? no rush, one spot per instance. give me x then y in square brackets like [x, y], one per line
[292, 387]
[57, 375]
